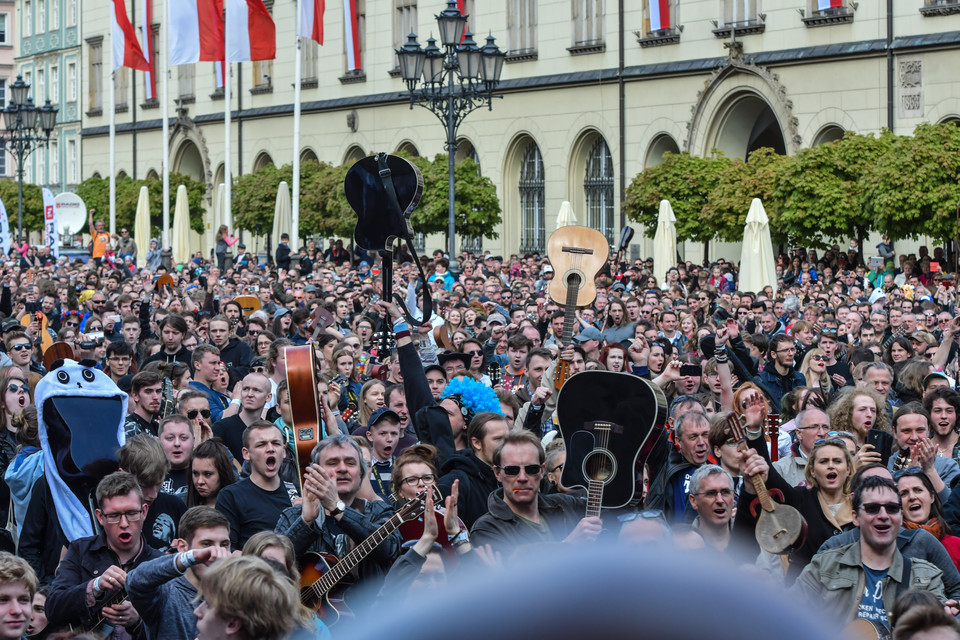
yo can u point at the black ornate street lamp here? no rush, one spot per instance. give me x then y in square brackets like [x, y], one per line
[451, 84]
[23, 136]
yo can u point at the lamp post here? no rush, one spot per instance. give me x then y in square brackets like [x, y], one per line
[451, 83]
[22, 135]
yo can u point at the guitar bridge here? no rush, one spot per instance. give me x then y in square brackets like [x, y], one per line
[580, 250]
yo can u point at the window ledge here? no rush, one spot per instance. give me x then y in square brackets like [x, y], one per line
[92, 113]
[121, 108]
[658, 38]
[526, 55]
[394, 73]
[940, 8]
[741, 29]
[217, 95]
[587, 48]
[262, 89]
[353, 77]
[187, 99]
[826, 19]
[309, 83]
[150, 104]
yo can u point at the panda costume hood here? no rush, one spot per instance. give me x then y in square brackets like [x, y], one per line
[80, 412]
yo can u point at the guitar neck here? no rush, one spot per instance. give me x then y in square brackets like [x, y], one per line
[594, 498]
[739, 434]
[346, 564]
[570, 309]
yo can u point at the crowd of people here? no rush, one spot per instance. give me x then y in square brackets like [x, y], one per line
[444, 451]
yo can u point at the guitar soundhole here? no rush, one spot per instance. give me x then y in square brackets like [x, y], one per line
[573, 280]
[599, 466]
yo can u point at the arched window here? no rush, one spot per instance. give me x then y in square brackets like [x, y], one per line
[533, 231]
[598, 187]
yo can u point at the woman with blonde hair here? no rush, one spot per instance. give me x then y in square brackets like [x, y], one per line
[814, 369]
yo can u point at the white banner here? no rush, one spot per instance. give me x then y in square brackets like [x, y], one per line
[51, 236]
[4, 230]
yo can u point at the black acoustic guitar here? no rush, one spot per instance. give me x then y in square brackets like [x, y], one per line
[610, 422]
[383, 191]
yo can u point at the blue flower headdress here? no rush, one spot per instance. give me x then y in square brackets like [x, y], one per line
[472, 397]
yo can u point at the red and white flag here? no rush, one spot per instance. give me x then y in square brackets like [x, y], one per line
[351, 32]
[146, 36]
[659, 14]
[823, 5]
[251, 34]
[195, 31]
[311, 19]
[126, 49]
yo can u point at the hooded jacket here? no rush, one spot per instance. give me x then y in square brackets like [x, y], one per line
[477, 482]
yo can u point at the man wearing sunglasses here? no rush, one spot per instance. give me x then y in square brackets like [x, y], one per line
[518, 514]
[195, 407]
[861, 580]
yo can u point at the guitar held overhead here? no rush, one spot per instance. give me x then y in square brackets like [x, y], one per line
[577, 255]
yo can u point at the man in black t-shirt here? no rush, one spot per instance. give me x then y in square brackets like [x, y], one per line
[176, 438]
[144, 458]
[254, 395]
[254, 504]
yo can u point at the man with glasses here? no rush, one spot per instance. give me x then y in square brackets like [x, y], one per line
[95, 569]
[811, 425]
[861, 580]
[195, 407]
[518, 513]
[119, 359]
[712, 497]
[779, 377]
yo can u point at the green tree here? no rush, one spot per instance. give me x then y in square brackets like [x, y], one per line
[95, 193]
[686, 181]
[330, 214]
[914, 187]
[476, 206]
[819, 196]
[725, 213]
[32, 205]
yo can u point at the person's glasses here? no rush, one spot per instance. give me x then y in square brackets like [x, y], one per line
[790, 350]
[474, 353]
[512, 470]
[819, 358]
[119, 358]
[114, 518]
[646, 514]
[21, 347]
[819, 427]
[873, 508]
[193, 413]
[909, 471]
[253, 333]
[831, 440]
[412, 481]
[72, 324]
[828, 330]
[713, 493]
[258, 369]
[16, 388]
[99, 302]
[554, 470]
[703, 299]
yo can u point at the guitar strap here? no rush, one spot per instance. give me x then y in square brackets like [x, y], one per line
[386, 178]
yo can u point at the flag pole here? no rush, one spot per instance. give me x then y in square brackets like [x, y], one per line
[164, 115]
[113, 130]
[227, 217]
[295, 215]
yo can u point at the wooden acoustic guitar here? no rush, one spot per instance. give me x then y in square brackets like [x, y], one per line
[867, 630]
[610, 422]
[780, 528]
[577, 254]
[57, 351]
[248, 304]
[101, 628]
[305, 402]
[324, 572]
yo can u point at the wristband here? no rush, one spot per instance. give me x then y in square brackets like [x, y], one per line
[720, 348]
[96, 586]
[336, 413]
[235, 401]
[403, 333]
[400, 324]
[460, 539]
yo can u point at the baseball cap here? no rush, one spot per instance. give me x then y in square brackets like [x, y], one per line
[936, 375]
[9, 324]
[547, 268]
[381, 413]
[496, 317]
[590, 333]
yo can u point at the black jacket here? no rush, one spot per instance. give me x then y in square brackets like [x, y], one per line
[86, 559]
[477, 482]
[41, 538]
[283, 256]
[504, 531]
[660, 494]
[238, 356]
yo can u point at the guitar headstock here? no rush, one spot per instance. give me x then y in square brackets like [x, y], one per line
[737, 430]
[495, 373]
[413, 508]
[385, 342]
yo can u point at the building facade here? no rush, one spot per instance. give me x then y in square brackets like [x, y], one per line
[8, 67]
[49, 61]
[593, 92]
